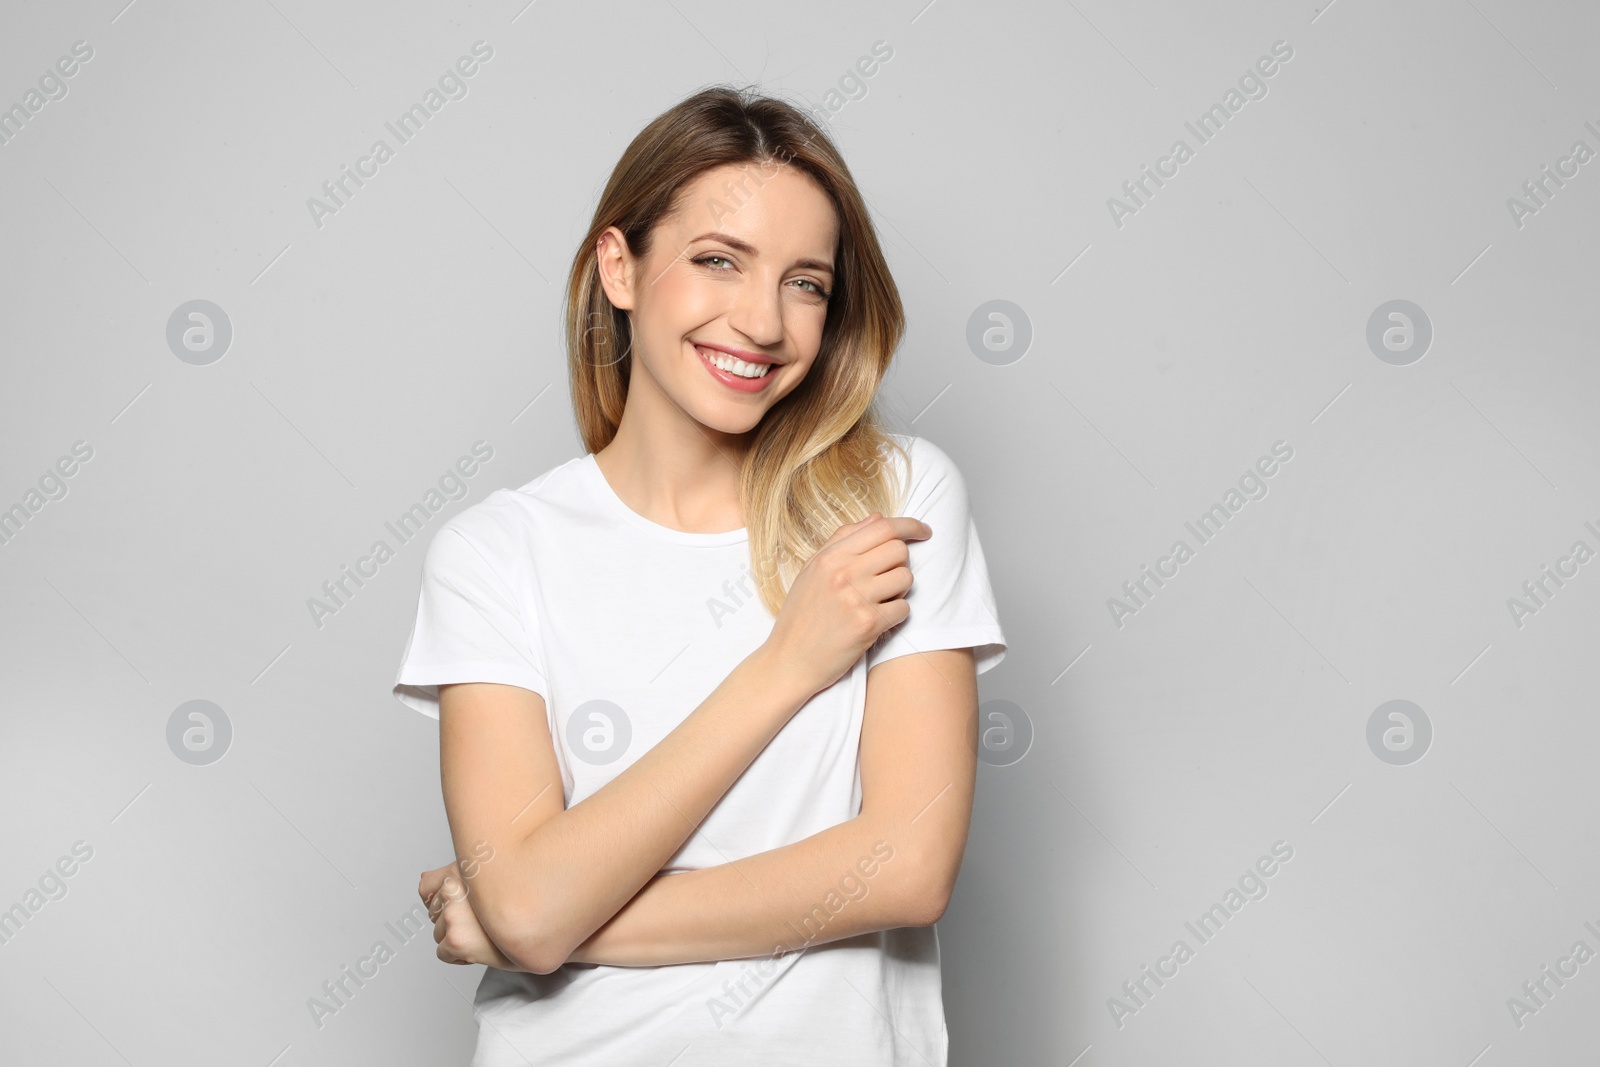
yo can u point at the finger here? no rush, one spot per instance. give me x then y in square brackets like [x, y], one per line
[869, 535]
[437, 897]
[431, 880]
[447, 915]
[451, 889]
[884, 572]
[850, 528]
[909, 529]
[452, 911]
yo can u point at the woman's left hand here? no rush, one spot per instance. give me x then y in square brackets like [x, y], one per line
[456, 929]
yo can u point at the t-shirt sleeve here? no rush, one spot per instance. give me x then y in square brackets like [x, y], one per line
[470, 625]
[952, 604]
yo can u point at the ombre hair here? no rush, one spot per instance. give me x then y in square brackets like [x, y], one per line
[818, 458]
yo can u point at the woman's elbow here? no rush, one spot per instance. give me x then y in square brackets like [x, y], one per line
[523, 935]
[932, 878]
[534, 951]
[928, 905]
[539, 956]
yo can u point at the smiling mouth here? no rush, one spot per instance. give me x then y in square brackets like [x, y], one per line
[733, 365]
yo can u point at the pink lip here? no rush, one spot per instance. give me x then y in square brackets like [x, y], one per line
[733, 381]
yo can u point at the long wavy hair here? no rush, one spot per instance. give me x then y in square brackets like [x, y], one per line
[818, 459]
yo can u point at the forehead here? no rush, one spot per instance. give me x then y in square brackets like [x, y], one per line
[778, 208]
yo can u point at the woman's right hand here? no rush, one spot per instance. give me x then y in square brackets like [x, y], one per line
[845, 596]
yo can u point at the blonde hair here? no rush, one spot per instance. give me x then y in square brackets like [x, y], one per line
[817, 459]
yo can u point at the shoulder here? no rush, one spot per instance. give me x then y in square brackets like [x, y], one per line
[502, 525]
[931, 466]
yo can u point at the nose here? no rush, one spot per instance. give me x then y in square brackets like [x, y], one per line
[757, 311]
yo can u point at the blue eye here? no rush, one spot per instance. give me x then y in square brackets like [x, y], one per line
[710, 257]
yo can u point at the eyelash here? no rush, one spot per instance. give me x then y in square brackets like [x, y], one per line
[820, 291]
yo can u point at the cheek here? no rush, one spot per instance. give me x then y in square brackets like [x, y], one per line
[804, 325]
[680, 302]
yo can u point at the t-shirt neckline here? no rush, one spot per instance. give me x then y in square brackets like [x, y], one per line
[617, 506]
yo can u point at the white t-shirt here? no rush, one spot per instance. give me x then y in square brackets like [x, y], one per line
[624, 626]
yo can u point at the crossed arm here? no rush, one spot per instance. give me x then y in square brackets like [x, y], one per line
[895, 864]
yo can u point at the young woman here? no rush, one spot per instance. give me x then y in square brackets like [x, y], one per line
[707, 753]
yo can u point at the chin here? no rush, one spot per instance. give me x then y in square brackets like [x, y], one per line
[732, 423]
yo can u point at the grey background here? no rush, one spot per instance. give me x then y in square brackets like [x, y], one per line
[1167, 354]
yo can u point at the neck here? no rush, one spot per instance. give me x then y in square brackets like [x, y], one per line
[676, 472]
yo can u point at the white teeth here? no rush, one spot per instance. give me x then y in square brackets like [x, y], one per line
[735, 366]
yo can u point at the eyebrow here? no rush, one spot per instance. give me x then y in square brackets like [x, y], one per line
[750, 250]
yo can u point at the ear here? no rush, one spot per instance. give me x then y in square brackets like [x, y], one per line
[617, 267]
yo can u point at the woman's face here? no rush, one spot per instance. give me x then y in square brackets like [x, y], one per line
[739, 272]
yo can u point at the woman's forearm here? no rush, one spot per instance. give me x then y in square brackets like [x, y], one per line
[849, 879]
[577, 869]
